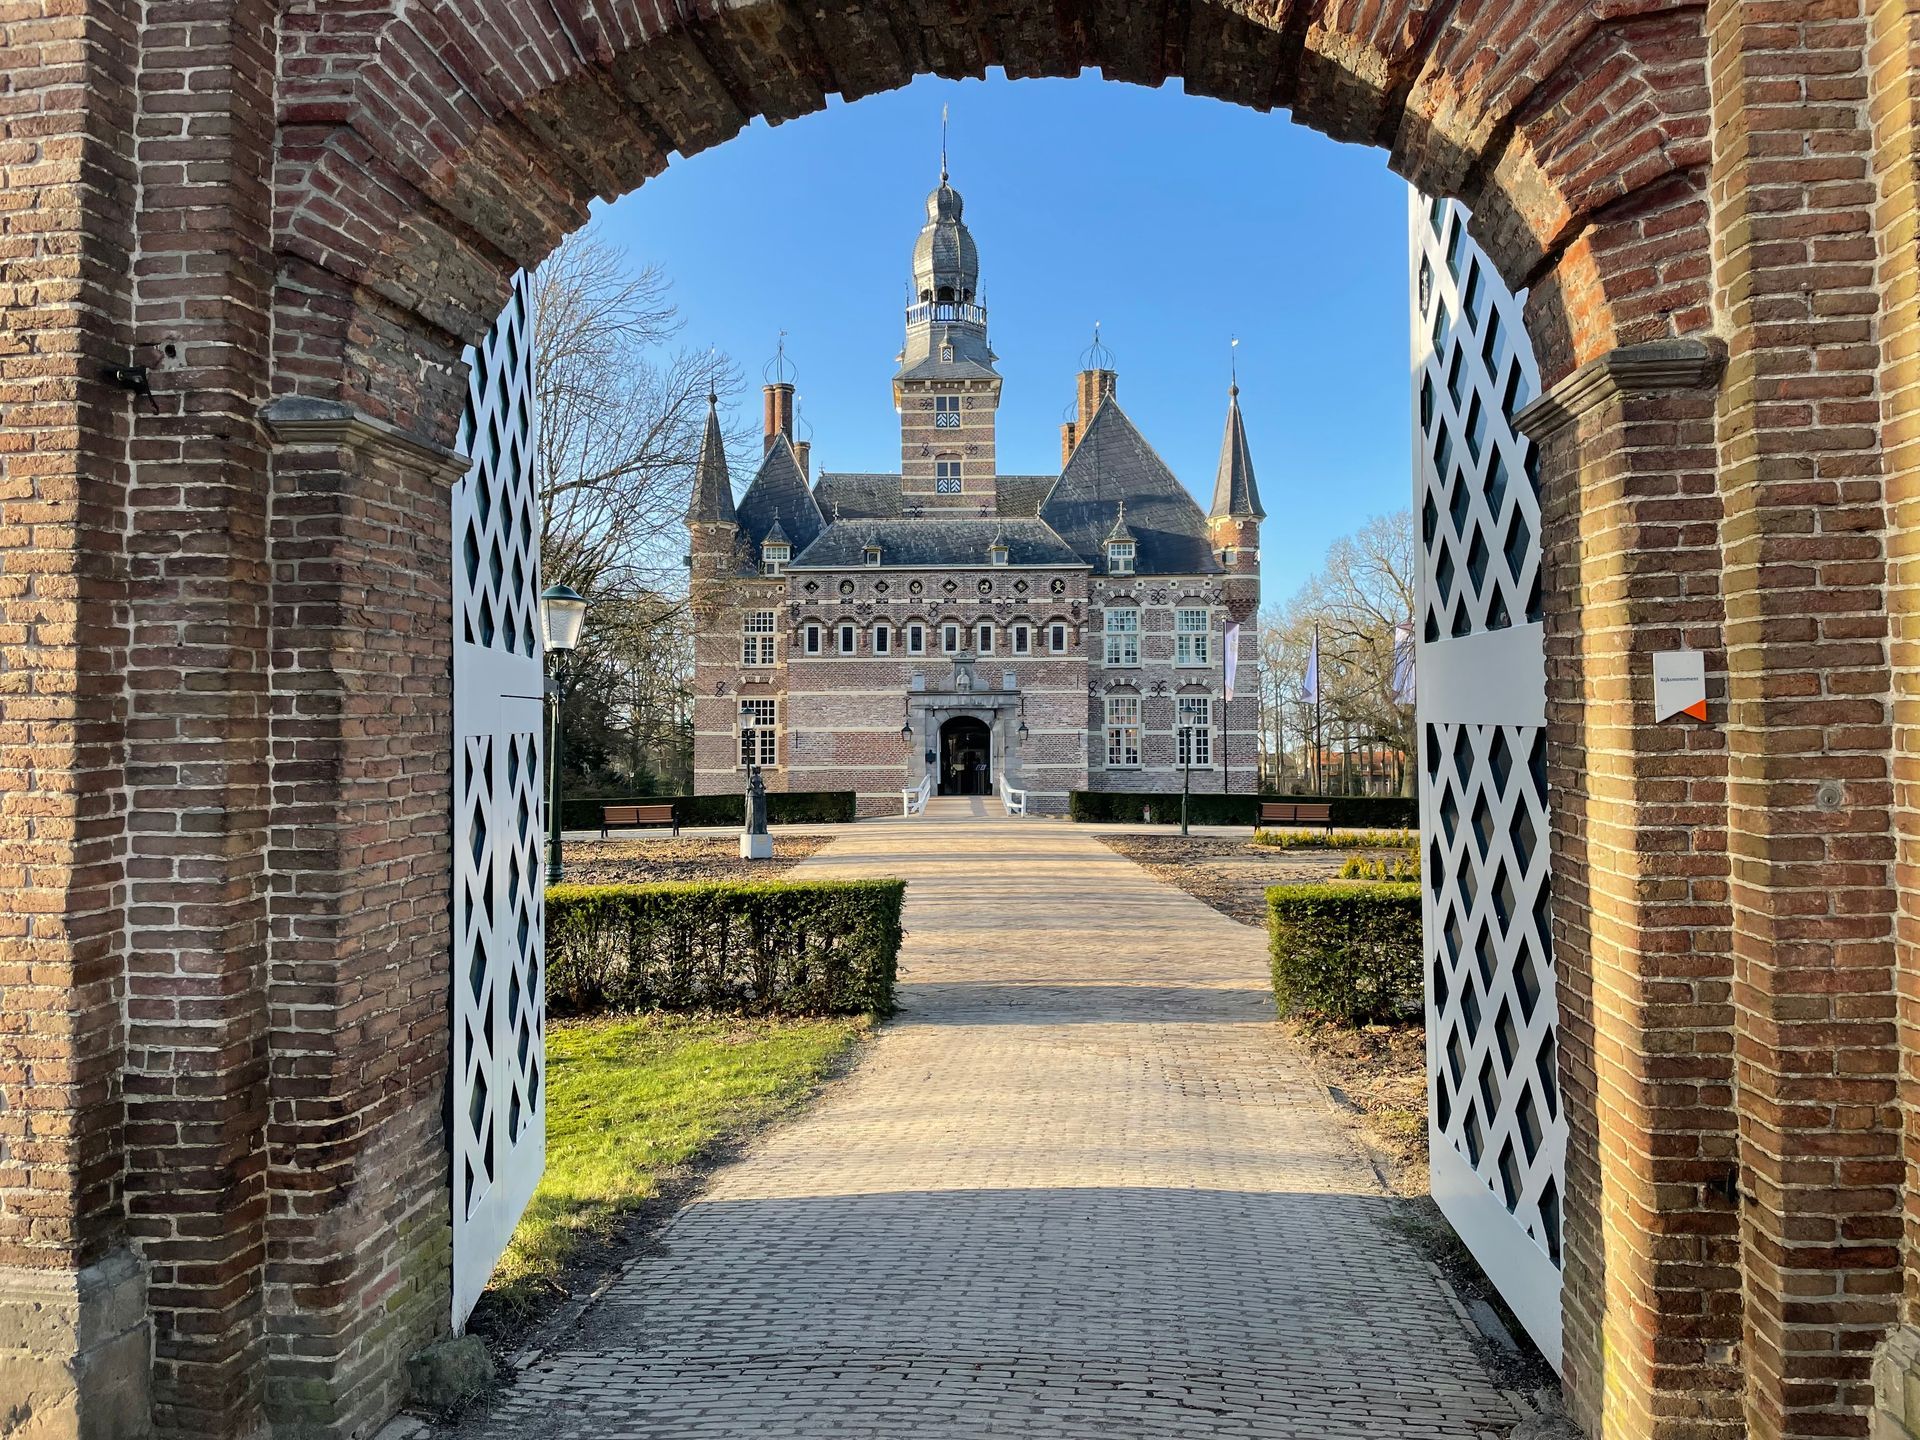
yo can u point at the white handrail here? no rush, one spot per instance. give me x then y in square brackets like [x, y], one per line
[1014, 800]
[913, 801]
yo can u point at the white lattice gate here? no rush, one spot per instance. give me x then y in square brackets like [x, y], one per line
[1494, 1117]
[498, 1119]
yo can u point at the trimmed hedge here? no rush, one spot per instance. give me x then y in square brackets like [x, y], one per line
[780, 947]
[1349, 954]
[798, 807]
[1163, 808]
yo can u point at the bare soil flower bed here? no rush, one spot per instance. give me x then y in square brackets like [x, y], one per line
[693, 857]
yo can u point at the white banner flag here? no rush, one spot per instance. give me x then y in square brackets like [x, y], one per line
[1231, 660]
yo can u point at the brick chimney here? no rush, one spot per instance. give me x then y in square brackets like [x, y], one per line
[779, 414]
[1094, 387]
[803, 452]
[1069, 437]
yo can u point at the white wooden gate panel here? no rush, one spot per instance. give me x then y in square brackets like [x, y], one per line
[1494, 1119]
[498, 1119]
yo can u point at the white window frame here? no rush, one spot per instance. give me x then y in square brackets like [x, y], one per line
[882, 639]
[759, 733]
[1123, 732]
[946, 405]
[846, 638]
[1057, 637]
[871, 555]
[944, 483]
[1120, 557]
[1192, 637]
[1123, 637]
[1022, 641]
[916, 639]
[1193, 724]
[774, 558]
[983, 638]
[756, 638]
[949, 638]
[811, 639]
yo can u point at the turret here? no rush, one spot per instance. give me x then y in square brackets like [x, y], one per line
[712, 523]
[1233, 523]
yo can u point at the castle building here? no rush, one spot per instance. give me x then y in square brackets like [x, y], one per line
[1039, 633]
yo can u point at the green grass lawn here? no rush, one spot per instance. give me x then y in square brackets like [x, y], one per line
[629, 1099]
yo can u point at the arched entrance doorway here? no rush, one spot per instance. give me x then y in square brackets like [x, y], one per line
[415, 155]
[966, 757]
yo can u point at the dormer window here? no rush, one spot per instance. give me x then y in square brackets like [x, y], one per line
[946, 354]
[872, 555]
[774, 556]
[997, 552]
[1120, 557]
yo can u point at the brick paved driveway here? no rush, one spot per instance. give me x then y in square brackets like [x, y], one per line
[1078, 1188]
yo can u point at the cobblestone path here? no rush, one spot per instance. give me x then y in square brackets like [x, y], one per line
[1077, 1188]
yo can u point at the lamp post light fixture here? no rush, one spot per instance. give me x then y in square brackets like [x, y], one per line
[563, 614]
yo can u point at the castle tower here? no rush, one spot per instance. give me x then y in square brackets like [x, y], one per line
[946, 390]
[713, 526]
[1233, 523]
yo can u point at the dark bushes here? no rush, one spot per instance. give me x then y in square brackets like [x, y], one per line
[800, 807]
[1349, 954]
[1163, 808]
[776, 947]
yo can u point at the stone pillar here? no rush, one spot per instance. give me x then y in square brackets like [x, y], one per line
[74, 1336]
[1808, 722]
[1629, 515]
[1893, 44]
[361, 847]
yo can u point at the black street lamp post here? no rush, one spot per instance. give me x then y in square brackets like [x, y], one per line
[563, 612]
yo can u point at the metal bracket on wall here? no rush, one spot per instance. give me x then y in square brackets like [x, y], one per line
[133, 379]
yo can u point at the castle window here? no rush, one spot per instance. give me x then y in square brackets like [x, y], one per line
[1022, 640]
[1196, 730]
[1193, 639]
[774, 556]
[997, 552]
[946, 354]
[1120, 557]
[759, 734]
[847, 633]
[946, 475]
[756, 644]
[916, 639]
[985, 634]
[946, 412]
[1123, 732]
[949, 639]
[1123, 637]
[872, 555]
[810, 641]
[882, 640]
[1057, 638]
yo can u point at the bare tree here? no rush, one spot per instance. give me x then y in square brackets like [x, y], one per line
[621, 419]
[623, 412]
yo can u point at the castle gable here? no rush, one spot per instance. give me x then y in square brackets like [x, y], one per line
[779, 494]
[1111, 464]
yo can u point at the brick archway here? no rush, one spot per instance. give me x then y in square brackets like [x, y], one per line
[235, 717]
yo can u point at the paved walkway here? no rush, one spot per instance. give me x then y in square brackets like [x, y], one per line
[1077, 1188]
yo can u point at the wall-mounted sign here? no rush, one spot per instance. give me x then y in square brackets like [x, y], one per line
[1679, 684]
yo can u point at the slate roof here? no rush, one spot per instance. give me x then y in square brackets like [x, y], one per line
[1113, 462]
[868, 496]
[1234, 490]
[859, 496]
[712, 498]
[779, 494]
[934, 543]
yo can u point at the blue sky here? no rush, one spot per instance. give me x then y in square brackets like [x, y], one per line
[1175, 221]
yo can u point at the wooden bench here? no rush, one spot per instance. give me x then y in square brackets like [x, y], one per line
[636, 816]
[1291, 812]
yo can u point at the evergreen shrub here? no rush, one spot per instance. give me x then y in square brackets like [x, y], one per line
[798, 807]
[777, 947]
[1163, 807]
[1347, 954]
